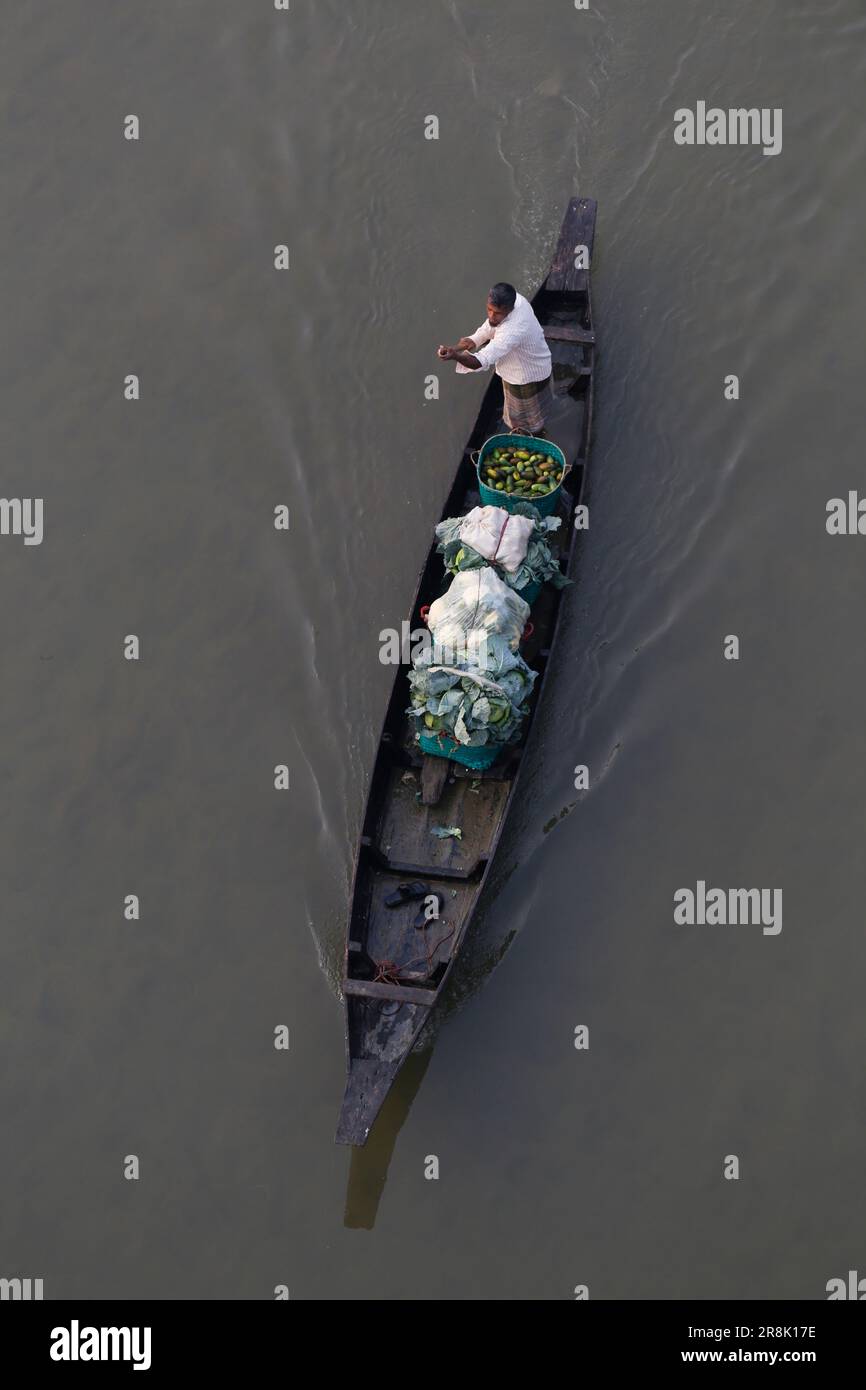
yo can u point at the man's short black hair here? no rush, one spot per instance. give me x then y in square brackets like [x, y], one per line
[503, 296]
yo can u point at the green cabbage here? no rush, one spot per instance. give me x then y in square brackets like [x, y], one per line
[476, 708]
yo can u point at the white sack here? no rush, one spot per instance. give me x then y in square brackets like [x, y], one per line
[477, 604]
[483, 529]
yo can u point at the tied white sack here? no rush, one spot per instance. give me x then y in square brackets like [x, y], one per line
[497, 535]
[476, 605]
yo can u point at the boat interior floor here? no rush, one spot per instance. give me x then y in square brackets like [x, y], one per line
[398, 948]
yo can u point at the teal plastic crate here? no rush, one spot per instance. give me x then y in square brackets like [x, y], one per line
[479, 758]
[489, 495]
[529, 593]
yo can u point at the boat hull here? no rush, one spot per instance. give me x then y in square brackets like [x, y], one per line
[397, 964]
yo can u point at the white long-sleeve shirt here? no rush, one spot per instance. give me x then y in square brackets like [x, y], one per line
[517, 348]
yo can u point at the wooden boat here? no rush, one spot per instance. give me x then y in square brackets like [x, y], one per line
[394, 971]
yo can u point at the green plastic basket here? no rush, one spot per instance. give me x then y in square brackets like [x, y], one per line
[491, 498]
[479, 758]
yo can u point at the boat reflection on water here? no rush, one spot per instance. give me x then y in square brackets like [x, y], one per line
[368, 1169]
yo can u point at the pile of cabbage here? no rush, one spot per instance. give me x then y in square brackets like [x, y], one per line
[474, 706]
[473, 688]
[537, 566]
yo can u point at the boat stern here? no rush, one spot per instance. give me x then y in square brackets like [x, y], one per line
[368, 1083]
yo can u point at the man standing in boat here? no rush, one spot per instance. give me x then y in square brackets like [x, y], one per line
[516, 346]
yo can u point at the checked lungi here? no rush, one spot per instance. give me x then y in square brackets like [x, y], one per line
[525, 407]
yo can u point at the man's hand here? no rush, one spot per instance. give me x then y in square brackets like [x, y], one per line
[448, 354]
[459, 354]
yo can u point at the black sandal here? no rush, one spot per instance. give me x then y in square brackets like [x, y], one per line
[406, 893]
